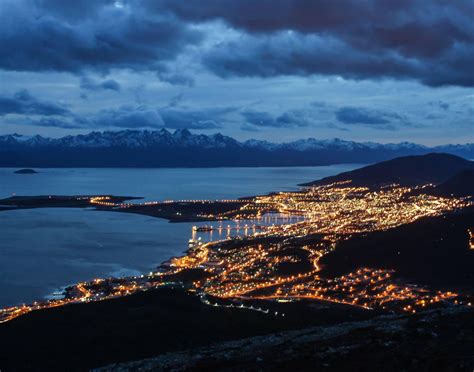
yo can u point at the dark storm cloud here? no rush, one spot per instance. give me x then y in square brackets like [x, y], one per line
[195, 119]
[39, 36]
[441, 104]
[176, 79]
[428, 40]
[371, 117]
[121, 117]
[259, 118]
[418, 27]
[72, 11]
[29, 110]
[126, 117]
[51, 122]
[90, 84]
[444, 106]
[146, 117]
[249, 128]
[294, 118]
[23, 103]
[173, 75]
[431, 41]
[289, 119]
[290, 53]
[319, 114]
[175, 101]
[355, 115]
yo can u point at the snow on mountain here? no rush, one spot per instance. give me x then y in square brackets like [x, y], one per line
[253, 143]
[184, 138]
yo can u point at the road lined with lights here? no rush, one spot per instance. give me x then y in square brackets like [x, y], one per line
[277, 262]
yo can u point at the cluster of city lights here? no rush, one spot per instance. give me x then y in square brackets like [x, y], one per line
[286, 270]
[335, 212]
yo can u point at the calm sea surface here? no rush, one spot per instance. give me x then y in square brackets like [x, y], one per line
[42, 250]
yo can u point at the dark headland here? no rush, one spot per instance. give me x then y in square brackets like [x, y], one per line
[408, 170]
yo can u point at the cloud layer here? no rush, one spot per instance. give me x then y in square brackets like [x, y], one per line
[373, 66]
[109, 84]
[379, 119]
[23, 103]
[429, 41]
[90, 35]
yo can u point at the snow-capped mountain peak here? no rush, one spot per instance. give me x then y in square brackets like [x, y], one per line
[170, 145]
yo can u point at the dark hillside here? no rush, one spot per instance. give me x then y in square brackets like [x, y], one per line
[433, 251]
[409, 170]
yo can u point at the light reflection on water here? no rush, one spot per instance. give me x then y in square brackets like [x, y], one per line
[227, 229]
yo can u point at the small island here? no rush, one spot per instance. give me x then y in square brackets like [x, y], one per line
[26, 171]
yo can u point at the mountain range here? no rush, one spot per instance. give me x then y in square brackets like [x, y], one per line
[137, 148]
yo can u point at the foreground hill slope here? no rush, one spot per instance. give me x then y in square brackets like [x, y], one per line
[435, 341]
[79, 337]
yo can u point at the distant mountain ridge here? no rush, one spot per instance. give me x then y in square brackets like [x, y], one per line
[137, 148]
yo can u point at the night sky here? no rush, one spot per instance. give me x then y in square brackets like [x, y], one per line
[280, 70]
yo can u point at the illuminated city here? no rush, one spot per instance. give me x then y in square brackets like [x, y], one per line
[281, 262]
